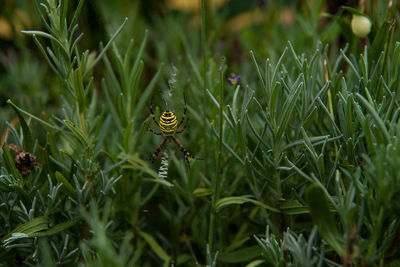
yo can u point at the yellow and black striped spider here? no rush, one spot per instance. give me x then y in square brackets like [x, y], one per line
[169, 128]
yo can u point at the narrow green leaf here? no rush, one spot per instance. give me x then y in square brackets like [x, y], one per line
[112, 79]
[155, 246]
[255, 263]
[79, 89]
[139, 54]
[202, 192]
[259, 137]
[379, 42]
[29, 228]
[32, 116]
[351, 64]
[44, 34]
[239, 135]
[49, 62]
[232, 114]
[310, 118]
[308, 144]
[4, 187]
[293, 207]
[350, 125]
[379, 122]
[76, 13]
[323, 218]
[63, 14]
[135, 86]
[296, 58]
[354, 11]
[215, 101]
[28, 139]
[61, 179]
[127, 135]
[288, 109]
[227, 146]
[57, 228]
[77, 132]
[234, 100]
[274, 102]
[9, 164]
[136, 163]
[258, 68]
[369, 138]
[23, 194]
[247, 99]
[227, 201]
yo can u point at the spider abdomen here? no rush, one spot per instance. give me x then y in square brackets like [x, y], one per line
[169, 128]
[168, 123]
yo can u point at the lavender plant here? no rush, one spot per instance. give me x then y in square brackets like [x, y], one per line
[296, 151]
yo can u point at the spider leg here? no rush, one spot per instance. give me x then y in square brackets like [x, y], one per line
[183, 150]
[184, 113]
[151, 130]
[158, 150]
[152, 113]
[181, 130]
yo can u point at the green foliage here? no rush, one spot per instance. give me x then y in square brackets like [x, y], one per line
[297, 163]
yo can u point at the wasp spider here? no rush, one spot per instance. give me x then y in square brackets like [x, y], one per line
[169, 128]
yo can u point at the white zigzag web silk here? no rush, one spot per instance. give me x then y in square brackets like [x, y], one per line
[163, 170]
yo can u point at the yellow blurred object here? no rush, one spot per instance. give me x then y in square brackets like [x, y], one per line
[244, 20]
[20, 20]
[192, 6]
[286, 16]
[5, 29]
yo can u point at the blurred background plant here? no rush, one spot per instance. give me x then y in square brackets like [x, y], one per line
[299, 155]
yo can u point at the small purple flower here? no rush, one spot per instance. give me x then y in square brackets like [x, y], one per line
[234, 80]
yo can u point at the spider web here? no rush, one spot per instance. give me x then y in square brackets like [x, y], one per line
[163, 170]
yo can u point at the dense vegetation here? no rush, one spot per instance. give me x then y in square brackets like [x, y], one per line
[296, 161]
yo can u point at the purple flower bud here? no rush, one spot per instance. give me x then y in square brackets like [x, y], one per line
[234, 79]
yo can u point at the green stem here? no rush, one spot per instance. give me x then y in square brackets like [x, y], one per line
[221, 122]
[219, 159]
[277, 173]
[205, 66]
[278, 185]
[211, 228]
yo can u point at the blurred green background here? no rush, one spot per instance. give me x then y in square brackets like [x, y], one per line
[234, 28]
